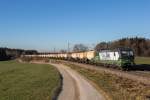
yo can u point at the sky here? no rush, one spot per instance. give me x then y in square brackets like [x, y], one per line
[47, 24]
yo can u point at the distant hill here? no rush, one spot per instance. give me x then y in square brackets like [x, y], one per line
[140, 46]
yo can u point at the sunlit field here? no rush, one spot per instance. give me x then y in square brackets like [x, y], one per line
[23, 81]
[142, 60]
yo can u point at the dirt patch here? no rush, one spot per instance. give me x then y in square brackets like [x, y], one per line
[75, 86]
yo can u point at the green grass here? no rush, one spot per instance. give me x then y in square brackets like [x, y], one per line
[116, 87]
[23, 81]
[142, 60]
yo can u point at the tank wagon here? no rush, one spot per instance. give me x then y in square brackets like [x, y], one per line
[83, 57]
[121, 58]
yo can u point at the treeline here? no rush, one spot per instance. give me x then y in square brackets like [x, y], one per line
[7, 53]
[140, 46]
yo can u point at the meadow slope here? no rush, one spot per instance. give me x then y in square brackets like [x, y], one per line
[24, 81]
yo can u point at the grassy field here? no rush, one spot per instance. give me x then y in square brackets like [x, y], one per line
[23, 81]
[142, 60]
[116, 87]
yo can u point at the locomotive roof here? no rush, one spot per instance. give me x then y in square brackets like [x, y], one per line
[64, 52]
[81, 51]
[117, 49]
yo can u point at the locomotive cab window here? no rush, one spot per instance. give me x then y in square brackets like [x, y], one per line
[127, 53]
[131, 53]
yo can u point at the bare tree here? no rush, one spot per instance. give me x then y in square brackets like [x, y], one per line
[100, 46]
[63, 51]
[80, 47]
[141, 46]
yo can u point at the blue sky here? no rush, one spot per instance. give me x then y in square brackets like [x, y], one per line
[45, 24]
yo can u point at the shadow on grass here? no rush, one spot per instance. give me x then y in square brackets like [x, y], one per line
[141, 67]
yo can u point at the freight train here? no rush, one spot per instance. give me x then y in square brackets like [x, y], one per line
[121, 58]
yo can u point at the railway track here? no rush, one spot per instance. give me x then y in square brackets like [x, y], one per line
[141, 73]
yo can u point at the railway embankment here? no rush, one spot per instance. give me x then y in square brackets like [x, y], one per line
[116, 86]
[139, 76]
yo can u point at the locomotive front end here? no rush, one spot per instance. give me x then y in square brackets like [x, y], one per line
[126, 57]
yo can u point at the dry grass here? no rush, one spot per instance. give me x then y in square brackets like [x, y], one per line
[117, 88]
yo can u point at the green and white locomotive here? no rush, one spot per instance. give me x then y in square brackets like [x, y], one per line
[122, 58]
